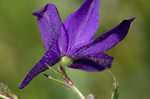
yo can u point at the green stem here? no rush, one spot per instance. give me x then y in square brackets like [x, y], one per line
[54, 79]
[115, 92]
[67, 81]
[77, 91]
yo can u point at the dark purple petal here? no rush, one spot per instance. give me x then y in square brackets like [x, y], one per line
[50, 57]
[92, 63]
[82, 24]
[50, 24]
[107, 40]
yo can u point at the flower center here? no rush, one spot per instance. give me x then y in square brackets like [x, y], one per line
[65, 61]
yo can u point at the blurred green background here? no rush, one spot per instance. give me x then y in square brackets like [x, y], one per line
[21, 48]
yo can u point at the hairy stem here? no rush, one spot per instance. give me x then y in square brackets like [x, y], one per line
[66, 80]
[77, 91]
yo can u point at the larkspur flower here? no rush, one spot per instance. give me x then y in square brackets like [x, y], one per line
[72, 41]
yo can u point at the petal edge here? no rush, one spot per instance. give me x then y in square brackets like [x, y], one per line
[107, 40]
[50, 24]
[49, 58]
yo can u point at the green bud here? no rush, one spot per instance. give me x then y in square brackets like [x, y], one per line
[65, 61]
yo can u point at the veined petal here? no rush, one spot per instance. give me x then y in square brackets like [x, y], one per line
[107, 40]
[63, 40]
[50, 24]
[92, 63]
[50, 57]
[82, 24]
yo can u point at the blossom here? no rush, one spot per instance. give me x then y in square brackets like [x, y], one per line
[73, 40]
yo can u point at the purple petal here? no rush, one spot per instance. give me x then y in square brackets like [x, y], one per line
[92, 63]
[63, 40]
[107, 40]
[82, 24]
[50, 24]
[50, 57]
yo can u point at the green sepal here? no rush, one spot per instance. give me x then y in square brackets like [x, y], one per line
[65, 61]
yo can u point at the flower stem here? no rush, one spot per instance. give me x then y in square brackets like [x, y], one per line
[116, 91]
[70, 83]
[67, 81]
[77, 91]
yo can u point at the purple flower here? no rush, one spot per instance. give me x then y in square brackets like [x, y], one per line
[74, 39]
